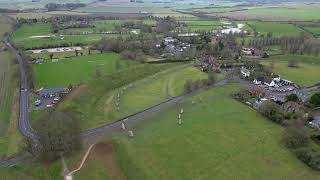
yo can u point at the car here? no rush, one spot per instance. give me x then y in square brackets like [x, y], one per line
[37, 102]
[49, 105]
[57, 98]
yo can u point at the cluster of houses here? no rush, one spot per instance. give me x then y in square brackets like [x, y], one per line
[173, 45]
[253, 53]
[275, 82]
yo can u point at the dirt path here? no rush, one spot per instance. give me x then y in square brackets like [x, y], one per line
[69, 176]
[105, 153]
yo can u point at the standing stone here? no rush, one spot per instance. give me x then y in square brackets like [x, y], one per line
[181, 111]
[179, 116]
[180, 122]
[123, 127]
[130, 133]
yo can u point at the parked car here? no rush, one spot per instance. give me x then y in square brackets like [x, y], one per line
[37, 103]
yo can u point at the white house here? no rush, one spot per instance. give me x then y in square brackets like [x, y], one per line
[169, 40]
[245, 72]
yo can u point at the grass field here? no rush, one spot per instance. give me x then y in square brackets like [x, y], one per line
[277, 29]
[139, 90]
[26, 37]
[156, 88]
[315, 30]
[220, 138]
[294, 11]
[306, 74]
[76, 70]
[202, 25]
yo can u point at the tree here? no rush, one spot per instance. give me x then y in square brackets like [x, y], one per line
[295, 136]
[188, 87]
[272, 111]
[315, 99]
[51, 56]
[211, 77]
[292, 97]
[59, 133]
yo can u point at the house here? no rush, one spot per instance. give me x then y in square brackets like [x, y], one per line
[37, 60]
[259, 81]
[169, 40]
[245, 72]
[276, 78]
[315, 123]
[270, 83]
[254, 52]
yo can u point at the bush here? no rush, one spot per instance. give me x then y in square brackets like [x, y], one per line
[296, 136]
[272, 111]
[309, 156]
[293, 98]
[315, 100]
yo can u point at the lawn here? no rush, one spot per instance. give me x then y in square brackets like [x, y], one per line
[277, 29]
[220, 138]
[77, 69]
[306, 74]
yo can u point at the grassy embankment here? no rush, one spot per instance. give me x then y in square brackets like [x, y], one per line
[9, 94]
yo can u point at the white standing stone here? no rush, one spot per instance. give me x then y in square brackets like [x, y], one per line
[179, 116]
[179, 121]
[130, 133]
[181, 111]
[123, 126]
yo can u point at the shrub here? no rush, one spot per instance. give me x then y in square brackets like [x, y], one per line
[292, 97]
[309, 156]
[296, 136]
[272, 111]
[315, 100]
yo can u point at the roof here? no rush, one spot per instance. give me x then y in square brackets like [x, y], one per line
[51, 91]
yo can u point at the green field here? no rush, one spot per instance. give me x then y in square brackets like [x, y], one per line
[93, 168]
[277, 29]
[294, 11]
[27, 37]
[76, 70]
[202, 25]
[306, 74]
[137, 94]
[315, 30]
[220, 138]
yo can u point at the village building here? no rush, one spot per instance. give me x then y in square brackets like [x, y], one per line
[245, 72]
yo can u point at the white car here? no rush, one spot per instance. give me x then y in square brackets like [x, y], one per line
[56, 99]
[49, 105]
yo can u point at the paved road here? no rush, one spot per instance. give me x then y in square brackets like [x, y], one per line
[24, 123]
[24, 119]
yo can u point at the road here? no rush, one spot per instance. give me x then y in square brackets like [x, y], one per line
[24, 118]
[24, 123]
